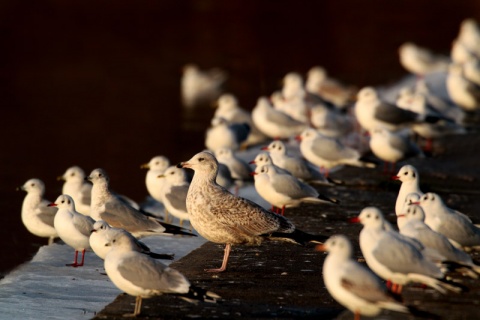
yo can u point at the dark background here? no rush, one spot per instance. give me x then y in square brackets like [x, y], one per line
[97, 83]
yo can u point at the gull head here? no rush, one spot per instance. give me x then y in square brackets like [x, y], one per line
[415, 212]
[337, 244]
[174, 174]
[261, 159]
[406, 173]
[277, 147]
[371, 217]
[97, 176]
[204, 162]
[74, 173]
[34, 186]
[160, 163]
[99, 226]
[63, 201]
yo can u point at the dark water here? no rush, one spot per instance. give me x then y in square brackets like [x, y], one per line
[97, 84]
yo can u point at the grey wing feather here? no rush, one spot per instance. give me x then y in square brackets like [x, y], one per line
[331, 149]
[84, 224]
[396, 255]
[289, 185]
[151, 274]
[47, 214]
[363, 283]
[393, 114]
[177, 197]
[282, 119]
[121, 215]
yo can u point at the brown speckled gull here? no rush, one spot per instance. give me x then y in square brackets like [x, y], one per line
[221, 217]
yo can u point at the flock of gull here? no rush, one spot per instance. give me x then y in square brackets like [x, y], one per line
[298, 135]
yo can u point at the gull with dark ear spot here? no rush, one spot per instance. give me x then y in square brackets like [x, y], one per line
[454, 225]
[352, 284]
[72, 227]
[296, 165]
[394, 258]
[283, 190]
[76, 187]
[410, 179]
[110, 208]
[37, 216]
[144, 277]
[416, 228]
[221, 217]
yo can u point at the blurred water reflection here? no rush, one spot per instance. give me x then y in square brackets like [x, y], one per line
[97, 84]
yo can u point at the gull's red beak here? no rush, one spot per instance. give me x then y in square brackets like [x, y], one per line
[395, 178]
[354, 220]
[52, 204]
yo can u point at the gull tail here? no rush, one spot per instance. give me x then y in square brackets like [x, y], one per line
[175, 230]
[196, 294]
[328, 199]
[441, 285]
[162, 256]
[299, 237]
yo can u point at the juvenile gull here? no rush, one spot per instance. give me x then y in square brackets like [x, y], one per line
[352, 284]
[37, 216]
[283, 190]
[102, 233]
[144, 277]
[73, 227]
[221, 217]
[118, 213]
[77, 188]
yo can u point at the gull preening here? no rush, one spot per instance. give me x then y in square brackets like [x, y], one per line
[221, 217]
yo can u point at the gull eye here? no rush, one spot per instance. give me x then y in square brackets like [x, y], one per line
[333, 242]
[173, 172]
[433, 198]
[201, 159]
[368, 215]
[68, 201]
[33, 184]
[376, 217]
[72, 174]
[63, 201]
[405, 173]
[413, 175]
